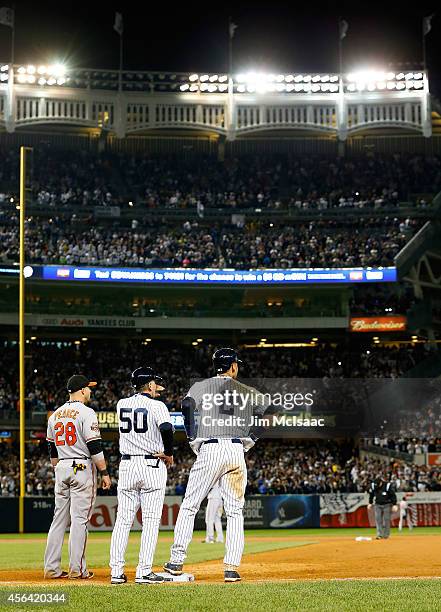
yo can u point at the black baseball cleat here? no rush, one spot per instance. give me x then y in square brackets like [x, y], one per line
[231, 576]
[173, 568]
[379, 538]
[151, 578]
[118, 579]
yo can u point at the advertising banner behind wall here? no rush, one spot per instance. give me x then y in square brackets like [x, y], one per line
[350, 510]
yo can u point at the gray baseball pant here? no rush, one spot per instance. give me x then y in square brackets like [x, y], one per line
[382, 520]
[75, 496]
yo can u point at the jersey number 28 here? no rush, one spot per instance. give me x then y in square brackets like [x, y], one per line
[66, 434]
[136, 420]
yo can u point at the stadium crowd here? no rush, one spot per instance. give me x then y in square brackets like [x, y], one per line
[368, 242]
[111, 363]
[88, 178]
[273, 468]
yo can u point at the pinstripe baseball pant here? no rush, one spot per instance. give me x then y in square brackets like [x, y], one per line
[141, 484]
[224, 462]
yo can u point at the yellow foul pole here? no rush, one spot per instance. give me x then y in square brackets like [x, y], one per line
[22, 340]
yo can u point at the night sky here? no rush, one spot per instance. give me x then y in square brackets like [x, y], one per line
[274, 36]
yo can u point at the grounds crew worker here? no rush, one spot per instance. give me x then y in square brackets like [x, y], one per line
[76, 452]
[383, 494]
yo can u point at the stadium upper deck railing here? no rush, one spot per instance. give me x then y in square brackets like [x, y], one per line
[128, 102]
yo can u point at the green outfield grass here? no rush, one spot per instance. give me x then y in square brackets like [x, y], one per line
[331, 595]
[25, 552]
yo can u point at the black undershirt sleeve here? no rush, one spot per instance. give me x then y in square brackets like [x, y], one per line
[95, 446]
[166, 431]
[53, 454]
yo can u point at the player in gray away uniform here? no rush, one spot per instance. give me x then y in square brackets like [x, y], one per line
[146, 446]
[219, 435]
[76, 452]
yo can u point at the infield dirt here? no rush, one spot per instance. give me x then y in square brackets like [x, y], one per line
[325, 558]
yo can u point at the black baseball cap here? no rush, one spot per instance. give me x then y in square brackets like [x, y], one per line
[77, 382]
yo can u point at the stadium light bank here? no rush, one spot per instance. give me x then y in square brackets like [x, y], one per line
[262, 83]
[44, 74]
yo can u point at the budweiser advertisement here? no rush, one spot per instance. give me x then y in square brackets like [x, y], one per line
[378, 324]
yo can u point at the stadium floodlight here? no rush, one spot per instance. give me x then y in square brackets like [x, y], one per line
[194, 87]
[41, 70]
[223, 78]
[298, 87]
[61, 81]
[316, 78]
[223, 87]
[391, 85]
[410, 84]
[51, 81]
[307, 87]
[30, 78]
[325, 78]
[4, 77]
[289, 78]
[204, 87]
[315, 87]
[307, 78]
[212, 88]
[21, 70]
[400, 76]
[58, 70]
[401, 85]
[213, 78]
[22, 78]
[333, 87]
[418, 75]
[289, 87]
[298, 78]
[184, 87]
[241, 88]
[4, 68]
[31, 69]
[280, 78]
[418, 84]
[409, 76]
[203, 78]
[333, 78]
[193, 77]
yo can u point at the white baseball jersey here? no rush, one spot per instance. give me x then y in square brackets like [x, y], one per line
[139, 419]
[70, 427]
[141, 481]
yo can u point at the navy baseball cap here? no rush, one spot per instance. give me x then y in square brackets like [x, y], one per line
[77, 382]
[142, 376]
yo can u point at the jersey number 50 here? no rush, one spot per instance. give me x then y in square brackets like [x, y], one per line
[129, 420]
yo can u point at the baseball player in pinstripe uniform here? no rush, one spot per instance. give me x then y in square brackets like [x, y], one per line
[146, 447]
[76, 452]
[208, 408]
[213, 515]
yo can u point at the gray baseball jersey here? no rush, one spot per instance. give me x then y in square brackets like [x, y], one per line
[70, 427]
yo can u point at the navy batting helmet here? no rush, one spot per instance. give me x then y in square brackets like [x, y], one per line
[223, 358]
[142, 376]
